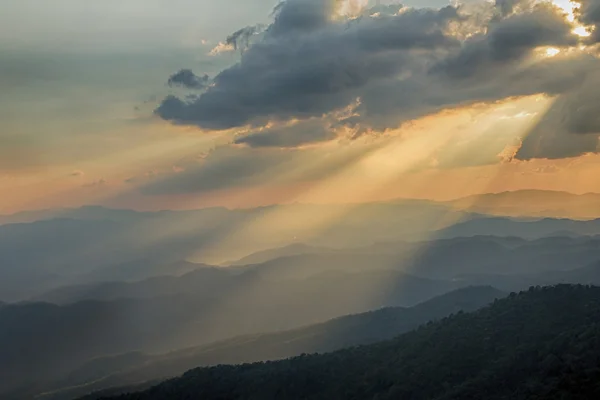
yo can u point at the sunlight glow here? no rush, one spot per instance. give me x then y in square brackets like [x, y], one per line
[351, 8]
[552, 51]
[582, 31]
[570, 8]
[378, 167]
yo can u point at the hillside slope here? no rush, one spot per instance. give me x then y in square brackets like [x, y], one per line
[41, 342]
[352, 330]
[540, 344]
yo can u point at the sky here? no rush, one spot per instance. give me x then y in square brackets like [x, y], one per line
[156, 104]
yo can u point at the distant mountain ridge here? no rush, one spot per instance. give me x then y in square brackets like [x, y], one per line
[442, 259]
[99, 244]
[293, 249]
[39, 256]
[531, 202]
[529, 229]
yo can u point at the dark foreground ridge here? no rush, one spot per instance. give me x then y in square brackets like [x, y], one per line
[540, 344]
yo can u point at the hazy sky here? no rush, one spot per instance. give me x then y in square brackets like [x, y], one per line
[321, 100]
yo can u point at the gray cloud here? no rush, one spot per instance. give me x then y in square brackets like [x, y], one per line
[187, 79]
[390, 9]
[300, 16]
[575, 114]
[313, 72]
[508, 7]
[547, 140]
[582, 111]
[304, 132]
[400, 65]
[508, 40]
[391, 103]
[589, 14]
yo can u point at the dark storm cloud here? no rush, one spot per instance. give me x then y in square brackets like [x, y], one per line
[401, 65]
[589, 14]
[571, 127]
[313, 72]
[508, 40]
[300, 16]
[391, 103]
[187, 79]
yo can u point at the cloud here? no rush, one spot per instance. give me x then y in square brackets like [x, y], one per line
[240, 39]
[290, 135]
[221, 47]
[589, 14]
[546, 169]
[77, 174]
[570, 128]
[301, 16]
[187, 79]
[581, 108]
[508, 40]
[306, 65]
[402, 65]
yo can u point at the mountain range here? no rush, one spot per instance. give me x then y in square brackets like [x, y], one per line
[94, 244]
[518, 203]
[532, 203]
[508, 263]
[94, 298]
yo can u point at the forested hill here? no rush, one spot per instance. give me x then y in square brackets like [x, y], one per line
[112, 374]
[540, 344]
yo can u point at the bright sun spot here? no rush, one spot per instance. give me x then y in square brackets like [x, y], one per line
[570, 7]
[582, 31]
[351, 8]
[552, 51]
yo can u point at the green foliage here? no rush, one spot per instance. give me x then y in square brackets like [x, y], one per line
[539, 344]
